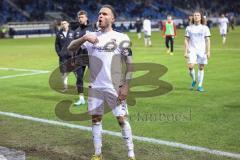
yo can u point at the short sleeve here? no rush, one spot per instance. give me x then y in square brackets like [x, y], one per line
[207, 32]
[125, 46]
[187, 32]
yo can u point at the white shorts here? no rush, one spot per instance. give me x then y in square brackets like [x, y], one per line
[147, 34]
[223, 31]
[194, 58]
[97, 99]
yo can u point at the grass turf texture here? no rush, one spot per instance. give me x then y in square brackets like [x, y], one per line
[214, 121]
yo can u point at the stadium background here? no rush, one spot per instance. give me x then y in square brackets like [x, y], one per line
[27, 59]
[44, 15]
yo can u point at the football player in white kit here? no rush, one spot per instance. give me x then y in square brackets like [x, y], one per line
[108, 51]
[223, 26]
[197, 48]
[147, 29]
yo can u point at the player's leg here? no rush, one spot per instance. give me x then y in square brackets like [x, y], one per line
[145, 39]
[232, 24]
[126, 134]
[97, 136]
[192, 75]
[192, 60]
[149, 40]
[139, 35]
[120, 111]
[65, 80]
[201, 61]
[223, 34]
[96, 110]
[200, 77]
[224, 38]
[167, 44]
[79, 73]
[171, 45]
[64, 73]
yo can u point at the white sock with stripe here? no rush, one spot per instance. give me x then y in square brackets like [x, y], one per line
[200, 77]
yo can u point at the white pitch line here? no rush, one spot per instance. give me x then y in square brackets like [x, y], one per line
[117, 134]
[182, 48]
[33, 72]
[20, 69]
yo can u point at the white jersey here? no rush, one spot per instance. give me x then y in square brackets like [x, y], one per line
[197, 35]
[223, 23]
[147, 27]
[105, 64]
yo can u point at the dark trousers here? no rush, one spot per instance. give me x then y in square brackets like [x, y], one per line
[64, 64]
[79, 73]
[171, 40]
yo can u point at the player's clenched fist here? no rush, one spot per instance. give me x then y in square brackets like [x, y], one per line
[90, 38]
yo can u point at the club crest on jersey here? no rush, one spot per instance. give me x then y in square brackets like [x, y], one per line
[111, 46]
[70, 35]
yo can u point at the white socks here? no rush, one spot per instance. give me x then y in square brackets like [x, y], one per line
[65, 80]
[127, 136]
[97, 137]
[147, 42]
[200, 77]
[81, 97]
[224, 40]
[192, 74]
[139, 35]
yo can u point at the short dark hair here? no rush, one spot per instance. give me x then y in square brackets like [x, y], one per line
[82, 12]
[111, 8]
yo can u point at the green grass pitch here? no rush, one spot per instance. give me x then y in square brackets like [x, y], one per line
[210, 119]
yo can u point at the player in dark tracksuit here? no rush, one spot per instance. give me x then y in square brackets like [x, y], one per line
[63, 39]
[81, 57]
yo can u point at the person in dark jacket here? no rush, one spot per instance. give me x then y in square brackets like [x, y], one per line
[63, 39]
[81, 56]
[138, 26]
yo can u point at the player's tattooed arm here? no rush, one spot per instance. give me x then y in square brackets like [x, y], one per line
[123, 91]
[208, 44]
[186, 41]
[129, 69]
[76, 44]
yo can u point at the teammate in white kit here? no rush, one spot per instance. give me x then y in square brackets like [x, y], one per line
[108, 52]
[223, 26]
[197, 48]
[147, 29]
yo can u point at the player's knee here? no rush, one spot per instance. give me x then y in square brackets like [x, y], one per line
[201, 67]
[121, 120]
[190, 67]
[96, 119]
